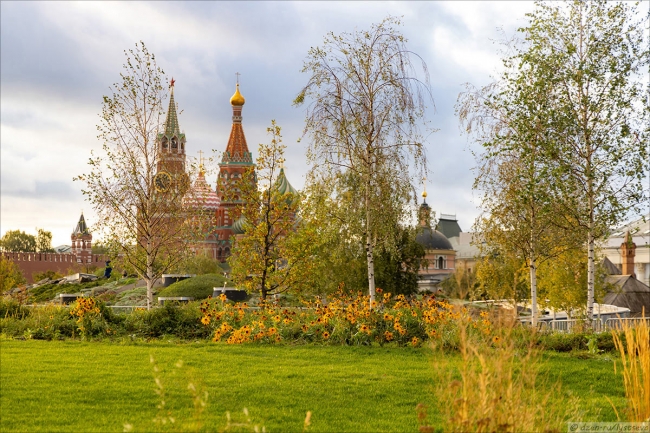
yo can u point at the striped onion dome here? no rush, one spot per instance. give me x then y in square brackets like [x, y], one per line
[238, 226]
[283, 186]
[202, 193]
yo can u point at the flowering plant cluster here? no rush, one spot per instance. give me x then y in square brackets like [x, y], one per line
[85, 310]
[346, 319]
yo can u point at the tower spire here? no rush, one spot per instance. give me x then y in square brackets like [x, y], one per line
[171, 123]
[237, 149]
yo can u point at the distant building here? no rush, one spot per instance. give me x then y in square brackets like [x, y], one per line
[613, 249]
[65, 260]
[439, 256]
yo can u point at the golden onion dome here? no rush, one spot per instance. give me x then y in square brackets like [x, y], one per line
[424, 194]
[237, 99]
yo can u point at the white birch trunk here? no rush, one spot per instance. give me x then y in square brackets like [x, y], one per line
[149, 281]
[533, 288]
[369, 256]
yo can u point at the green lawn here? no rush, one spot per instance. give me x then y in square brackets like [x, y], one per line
[100, 386]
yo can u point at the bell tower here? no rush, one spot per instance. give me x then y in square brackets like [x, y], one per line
[234, 163]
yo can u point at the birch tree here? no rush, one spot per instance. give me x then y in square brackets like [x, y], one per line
[509, 120]
[143, 218]
[363, 118]
[594, 55]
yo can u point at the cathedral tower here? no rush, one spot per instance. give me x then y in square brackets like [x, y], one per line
[234, 163]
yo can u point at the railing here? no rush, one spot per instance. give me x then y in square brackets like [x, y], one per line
[580, 325]
[617, 323]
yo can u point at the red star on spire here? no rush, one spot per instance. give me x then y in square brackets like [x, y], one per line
[173, 81]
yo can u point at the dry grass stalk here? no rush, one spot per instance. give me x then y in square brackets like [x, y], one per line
[635, 358]
[498, 388]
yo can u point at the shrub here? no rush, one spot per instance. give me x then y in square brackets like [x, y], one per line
[182, 321]
[12, 308]
[199, 287]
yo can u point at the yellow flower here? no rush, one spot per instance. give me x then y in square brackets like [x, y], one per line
[388, 335]
[205, 320]
[326, 335]
[496, 339]
[415, 341]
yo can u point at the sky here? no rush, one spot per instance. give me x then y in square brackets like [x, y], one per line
[59, 58]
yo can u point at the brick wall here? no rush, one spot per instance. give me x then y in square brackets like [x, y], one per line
[31, 263]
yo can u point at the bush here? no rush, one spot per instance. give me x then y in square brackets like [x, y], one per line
[199, 287]
[182, 321]
[12, 308]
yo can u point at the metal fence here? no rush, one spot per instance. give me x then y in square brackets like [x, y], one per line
[581, 325]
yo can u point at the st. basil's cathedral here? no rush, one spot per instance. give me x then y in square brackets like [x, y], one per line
[222, 201]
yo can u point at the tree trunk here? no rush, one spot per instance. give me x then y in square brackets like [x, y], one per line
[533, 288]
[590, 249]
[149, 281]
[369, 254]
[590, 274]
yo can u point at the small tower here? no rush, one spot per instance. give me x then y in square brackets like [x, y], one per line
[628, 251]
[82, 241]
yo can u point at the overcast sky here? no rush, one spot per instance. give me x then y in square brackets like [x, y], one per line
[59, 59]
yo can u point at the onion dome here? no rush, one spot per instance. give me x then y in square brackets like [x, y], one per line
[283, 186]
[432, 239]
[202, 194]
[237, 99]
[238, 226]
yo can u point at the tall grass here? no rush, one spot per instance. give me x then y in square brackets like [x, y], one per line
[498, 386]
[635, 358]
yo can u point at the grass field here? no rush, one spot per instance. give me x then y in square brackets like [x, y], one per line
[101, 386]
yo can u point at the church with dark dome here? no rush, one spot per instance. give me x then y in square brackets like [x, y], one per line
[440, 256]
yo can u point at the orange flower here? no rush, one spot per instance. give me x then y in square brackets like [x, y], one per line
[326, 335]
[415, 341]
[388, 336]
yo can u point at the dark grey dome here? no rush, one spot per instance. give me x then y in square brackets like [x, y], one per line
[432, 239]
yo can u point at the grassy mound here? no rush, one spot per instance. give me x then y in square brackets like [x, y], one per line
[199, 287]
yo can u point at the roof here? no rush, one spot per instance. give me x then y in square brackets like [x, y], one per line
[237, 149]
[628, 292]
[81, 228]
[448, 226]
[203, 194]
[238, 226]
[610, 267]
[432, 239]
[171, 123]
[283, 186]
